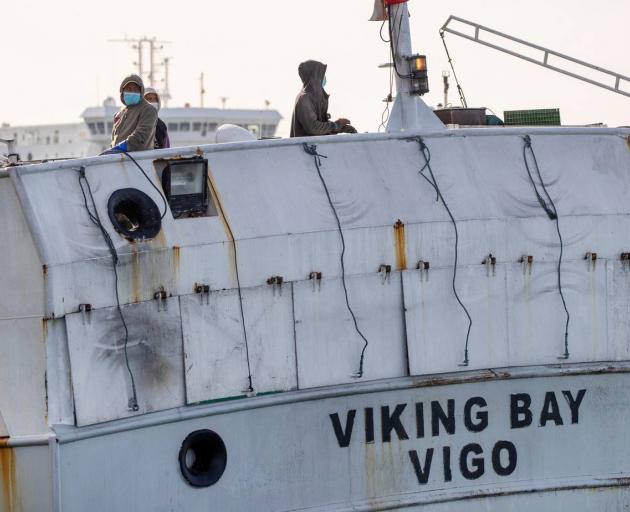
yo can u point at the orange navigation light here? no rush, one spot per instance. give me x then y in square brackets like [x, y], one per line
[418, 74]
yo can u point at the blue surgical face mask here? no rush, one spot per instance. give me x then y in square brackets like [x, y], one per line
[324, 82]
[131, 98]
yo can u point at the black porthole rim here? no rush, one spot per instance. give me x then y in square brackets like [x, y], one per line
[152, 220]
[209, 478]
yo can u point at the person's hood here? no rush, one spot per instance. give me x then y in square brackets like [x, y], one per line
[312, 73]
[131, 79]
[151, 90]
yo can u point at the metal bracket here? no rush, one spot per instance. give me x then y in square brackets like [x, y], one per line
[203, 290]
[161, 297]
[423, 267]
[316, 278]
[386, 272]
[591, 260]
[527, 261]
[85, 310]
[491, 265]
[276, 282]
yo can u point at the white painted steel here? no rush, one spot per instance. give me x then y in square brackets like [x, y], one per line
[328, 346]
[100, 379]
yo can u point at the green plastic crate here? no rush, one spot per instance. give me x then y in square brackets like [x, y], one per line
[534, 117]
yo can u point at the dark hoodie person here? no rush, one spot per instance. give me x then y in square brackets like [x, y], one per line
[162, 139]
[134, 125]
[310, 115]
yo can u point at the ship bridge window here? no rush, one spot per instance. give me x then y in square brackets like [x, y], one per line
[184, 127]
[185, 185]
[92, 128]
[100, 126]
[110, 127]
[212, 126]
[173, 127]
[196, 127]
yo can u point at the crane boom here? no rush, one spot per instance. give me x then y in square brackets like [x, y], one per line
[612, 76]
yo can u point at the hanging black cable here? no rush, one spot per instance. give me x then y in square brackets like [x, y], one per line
[311, 149]
[238, 285]
[426, 153]
[151, 182]
[96, 220]
[393, 44]
[450, 61]
[552, 213]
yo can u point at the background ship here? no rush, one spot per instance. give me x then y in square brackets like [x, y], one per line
[427, 317]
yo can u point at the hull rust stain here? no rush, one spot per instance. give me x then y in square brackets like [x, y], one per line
[400, 244]
[9, 501]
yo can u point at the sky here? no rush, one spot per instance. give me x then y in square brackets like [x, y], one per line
[58, 59]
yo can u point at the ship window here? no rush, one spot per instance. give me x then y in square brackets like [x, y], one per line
[173, 127]
[202, 458]
[184, 127]
[56, 137]
[110, 127]
[196, 127]
[47, 140]
[101, 127]
[212, 126]
[92, 128]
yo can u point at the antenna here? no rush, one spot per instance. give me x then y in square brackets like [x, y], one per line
[202, 91]
[151, 46]
[223, 100]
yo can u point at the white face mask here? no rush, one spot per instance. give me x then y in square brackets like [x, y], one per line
[156, 106]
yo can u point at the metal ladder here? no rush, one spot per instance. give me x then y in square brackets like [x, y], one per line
[611, 76]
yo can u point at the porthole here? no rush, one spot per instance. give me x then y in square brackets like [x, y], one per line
[134, 214]
[202, 458]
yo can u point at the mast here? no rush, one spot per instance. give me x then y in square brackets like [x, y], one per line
[410, 112]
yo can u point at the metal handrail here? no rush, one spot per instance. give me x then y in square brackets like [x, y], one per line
[618, 77]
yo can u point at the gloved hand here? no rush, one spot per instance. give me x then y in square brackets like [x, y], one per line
[116, 149]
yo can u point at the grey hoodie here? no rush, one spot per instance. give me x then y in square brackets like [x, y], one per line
[135, 123]
[310, 115]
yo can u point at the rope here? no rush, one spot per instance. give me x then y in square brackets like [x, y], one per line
[311, 149]
[450, 61]
[552, 213]
[151, 182]
[96, 220]
[426, 153]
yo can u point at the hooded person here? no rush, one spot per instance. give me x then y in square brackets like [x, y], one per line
[162, 139]
[310, 114]
[134, 125]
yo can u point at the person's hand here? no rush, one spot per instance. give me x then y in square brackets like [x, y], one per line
[342, 121]
[348, 128]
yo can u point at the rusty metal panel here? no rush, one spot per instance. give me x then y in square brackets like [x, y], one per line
[214, 342]
[619, 309]
[437, 325]
[100, 379]
[328, 346]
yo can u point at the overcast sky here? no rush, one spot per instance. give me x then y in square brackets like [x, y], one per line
[57, 60]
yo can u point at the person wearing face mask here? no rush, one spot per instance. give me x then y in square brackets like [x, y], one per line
[310, 115]
[134, 125]
[161, 131]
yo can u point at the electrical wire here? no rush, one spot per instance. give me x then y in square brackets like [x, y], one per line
[96, 220]
[394, 44]
[151, 182]
[380, 33]
[238, 285]
[450, 61]
[552, 213]
[386, 111]
[311, 149]
[426, 153]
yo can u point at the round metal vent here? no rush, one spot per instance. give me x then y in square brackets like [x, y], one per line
[202, 458]
[134, 214]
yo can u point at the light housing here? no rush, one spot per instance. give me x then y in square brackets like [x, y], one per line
[185, 184]
[418, 74]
